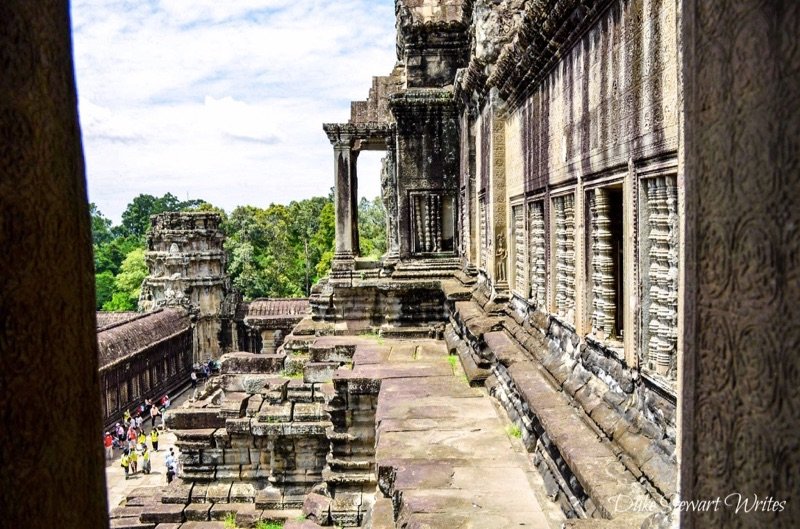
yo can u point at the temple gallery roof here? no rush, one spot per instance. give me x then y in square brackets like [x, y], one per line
[127, 337]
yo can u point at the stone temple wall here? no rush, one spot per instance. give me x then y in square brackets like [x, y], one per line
[573, 113]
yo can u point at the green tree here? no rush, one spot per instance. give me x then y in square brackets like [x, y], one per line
[136, 217]
[104, 288]
[277, 251]
[101, 226]
[372, 228]
[128, 283]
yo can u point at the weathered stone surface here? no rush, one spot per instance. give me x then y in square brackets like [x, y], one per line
[218, 492]
[177, 492]
[319, 371]
[203, 525]
[198, 512]
[164, 513]
[194, 419]
[243, 493]
[250, 363]
[317, 508]
[130, 523]
[305, 524]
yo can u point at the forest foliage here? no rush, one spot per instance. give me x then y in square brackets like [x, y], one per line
[277, 251]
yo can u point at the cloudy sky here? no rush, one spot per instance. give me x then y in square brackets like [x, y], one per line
[222, 100]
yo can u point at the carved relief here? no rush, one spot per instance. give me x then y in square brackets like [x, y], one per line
[565, 255]
[537, 252]
[500, 258]
[661, 271]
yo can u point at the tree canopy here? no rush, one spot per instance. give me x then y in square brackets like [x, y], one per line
[278, 251]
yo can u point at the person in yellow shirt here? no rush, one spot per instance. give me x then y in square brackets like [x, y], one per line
[154, 439]
[125, 462]
[145, 459]
[134, 460]
[142, 439]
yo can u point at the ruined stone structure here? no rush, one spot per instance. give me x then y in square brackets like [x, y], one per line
[262, 324]
[608, 334]
[142, 356]
[187, 269]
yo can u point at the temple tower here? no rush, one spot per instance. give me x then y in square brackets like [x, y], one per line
[186, 261]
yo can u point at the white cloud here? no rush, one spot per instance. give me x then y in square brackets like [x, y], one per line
[222, 100]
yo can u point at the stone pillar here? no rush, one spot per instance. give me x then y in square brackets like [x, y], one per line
[343, 202]
[740, 371]
[354, 202]
[389, 195]
[48, 349]
[499, 260]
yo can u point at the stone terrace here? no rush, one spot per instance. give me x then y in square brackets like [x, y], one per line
[443, 452]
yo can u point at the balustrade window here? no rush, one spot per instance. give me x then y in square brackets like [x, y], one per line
[433, 216]
[483, 233]
[607, 273]
[518, 238]
[660, 275]
[537, 254]
[564, 217]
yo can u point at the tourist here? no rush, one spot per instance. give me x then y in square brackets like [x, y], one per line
[142, 438]
[154, 439]
[139, 421]
[120, 434]
[133, 457]
[108, 442]
[145, 460]
[125, 462]
[193, 377]
[126, 418]
[169, 461]
[131, 437]
[153, 414]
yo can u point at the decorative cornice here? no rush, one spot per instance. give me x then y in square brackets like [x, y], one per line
[549, 27]
[340, 133]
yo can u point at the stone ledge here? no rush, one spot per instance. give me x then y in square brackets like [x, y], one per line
[163, 512]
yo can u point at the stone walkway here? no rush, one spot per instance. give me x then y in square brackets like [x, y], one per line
[445, 451]
[116, 484]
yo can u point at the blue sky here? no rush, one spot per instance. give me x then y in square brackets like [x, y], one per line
[222, 100]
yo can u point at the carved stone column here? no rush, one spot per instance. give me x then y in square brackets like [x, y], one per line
[537, 252]
[662, 276]
[603, 305]
[343, 199]
[497, 181]
[565, 256]
[389, 195]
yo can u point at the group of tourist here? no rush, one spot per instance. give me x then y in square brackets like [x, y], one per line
[130, 437]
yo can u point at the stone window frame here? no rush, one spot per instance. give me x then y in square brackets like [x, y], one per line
[542, 200]
[443, 194]
[483, 232]
[568, 315]
[520, 291]
[614, 182]
[646, 174]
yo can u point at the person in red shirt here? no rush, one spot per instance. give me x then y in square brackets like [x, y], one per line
[132, 437]
[108, 442]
